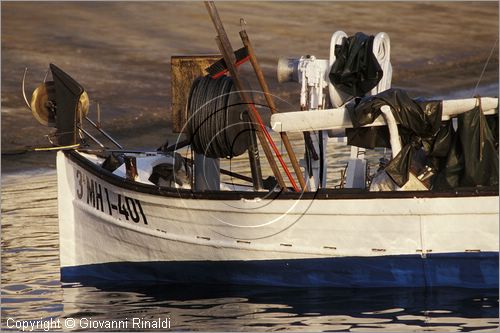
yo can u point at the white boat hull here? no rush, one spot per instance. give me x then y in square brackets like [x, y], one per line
[114, 232]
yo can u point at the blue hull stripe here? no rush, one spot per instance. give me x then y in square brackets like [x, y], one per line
[467, 270]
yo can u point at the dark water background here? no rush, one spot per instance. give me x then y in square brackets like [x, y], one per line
[120, 53]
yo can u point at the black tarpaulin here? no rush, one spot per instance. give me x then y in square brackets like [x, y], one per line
[418, 122]
[465, 157]
[472, 158]
[423, 118]
[356, 70]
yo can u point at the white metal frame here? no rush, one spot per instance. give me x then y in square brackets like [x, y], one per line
[356, 167]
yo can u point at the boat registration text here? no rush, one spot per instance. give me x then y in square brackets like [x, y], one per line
[101, 198]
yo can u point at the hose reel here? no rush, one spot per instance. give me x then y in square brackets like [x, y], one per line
[218, 125]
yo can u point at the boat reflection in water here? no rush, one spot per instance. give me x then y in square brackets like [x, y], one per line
[235, 308]
[31, 288]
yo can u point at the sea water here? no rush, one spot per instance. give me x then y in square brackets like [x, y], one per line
[125, 66]
[33, 296]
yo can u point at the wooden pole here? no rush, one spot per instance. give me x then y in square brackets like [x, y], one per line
[228, 54]
[229, 57]
[272, 106]
[259, 132]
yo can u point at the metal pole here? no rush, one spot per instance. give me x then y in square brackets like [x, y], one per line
[272, 106]
[226, 172]
[90, 136]
[103, 132]
[253, 156]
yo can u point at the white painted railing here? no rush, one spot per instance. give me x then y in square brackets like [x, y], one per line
[338, 119]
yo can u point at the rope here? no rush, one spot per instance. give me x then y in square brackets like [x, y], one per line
[215, 127]
[484, 68]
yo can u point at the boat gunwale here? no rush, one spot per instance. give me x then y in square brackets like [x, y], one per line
[322, 194]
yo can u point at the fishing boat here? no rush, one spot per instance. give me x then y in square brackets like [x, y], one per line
[428, 217]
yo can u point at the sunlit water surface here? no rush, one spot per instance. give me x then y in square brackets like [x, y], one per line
[31, 289]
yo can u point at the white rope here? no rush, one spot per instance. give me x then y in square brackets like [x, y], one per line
[484, 68]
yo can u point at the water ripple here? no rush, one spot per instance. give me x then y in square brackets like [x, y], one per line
[31, 289]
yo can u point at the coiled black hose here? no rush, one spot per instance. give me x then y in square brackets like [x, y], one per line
[216, 127]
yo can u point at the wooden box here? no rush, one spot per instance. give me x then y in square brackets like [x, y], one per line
[185, 69]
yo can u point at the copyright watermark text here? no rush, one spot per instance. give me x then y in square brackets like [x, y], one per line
[88, 323]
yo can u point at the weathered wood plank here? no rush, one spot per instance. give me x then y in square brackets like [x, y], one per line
[184, 70]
